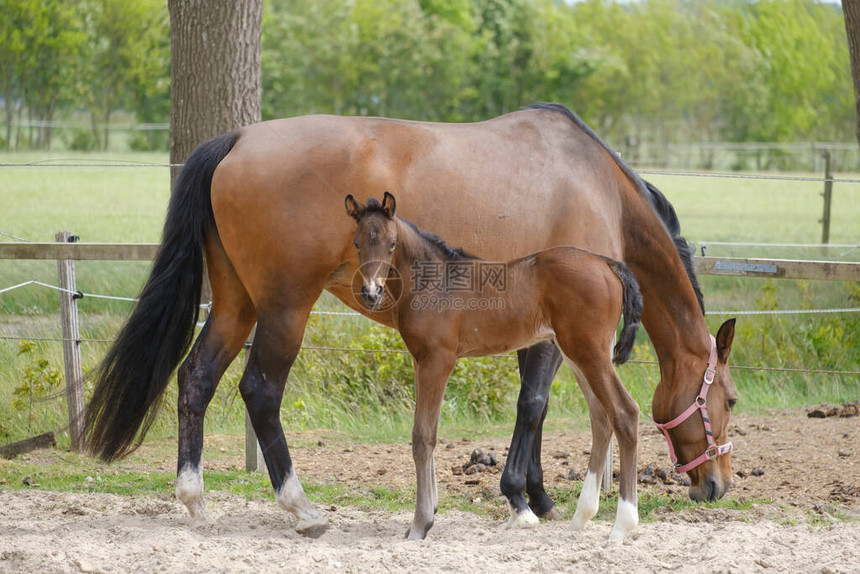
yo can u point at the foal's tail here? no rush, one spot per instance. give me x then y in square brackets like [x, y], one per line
[632, 311]
[133, 375]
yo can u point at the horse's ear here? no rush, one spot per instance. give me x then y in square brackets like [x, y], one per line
[725, 336]
[353, 207]
[389, 206]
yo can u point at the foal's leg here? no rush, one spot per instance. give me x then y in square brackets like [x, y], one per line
[431, 377]
[623, 415]
[538, 365]
[218, 344]
[276, 345]
[601, 434]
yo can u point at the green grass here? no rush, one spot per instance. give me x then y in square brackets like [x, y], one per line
[766, 211]
[370, 395]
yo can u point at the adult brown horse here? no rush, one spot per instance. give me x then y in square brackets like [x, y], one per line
[563, 294]
[264, 203]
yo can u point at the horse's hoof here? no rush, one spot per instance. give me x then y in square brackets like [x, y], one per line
[551, 514]
[523, 519]
[414, 534]
[199, 514]
[312, 527]
[201, 520]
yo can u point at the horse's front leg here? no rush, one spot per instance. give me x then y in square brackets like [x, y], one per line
[538, 365]
[431, 376]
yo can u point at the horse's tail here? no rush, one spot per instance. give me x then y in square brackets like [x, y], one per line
[134, 373]
[631, 309]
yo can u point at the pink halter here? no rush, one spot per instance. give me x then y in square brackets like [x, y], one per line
[713, 450]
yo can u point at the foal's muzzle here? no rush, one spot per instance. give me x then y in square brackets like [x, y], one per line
[373, 297]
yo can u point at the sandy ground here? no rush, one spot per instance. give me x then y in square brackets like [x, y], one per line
[807, 468]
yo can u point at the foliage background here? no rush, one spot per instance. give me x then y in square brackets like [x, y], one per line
[652, 71]
[642, 73]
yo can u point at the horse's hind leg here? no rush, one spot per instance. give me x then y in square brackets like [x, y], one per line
[276, 346]
[538, 365]
[218, 344]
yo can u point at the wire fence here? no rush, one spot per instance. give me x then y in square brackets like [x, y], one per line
[327, 348]
[77, 163]
[101, 163]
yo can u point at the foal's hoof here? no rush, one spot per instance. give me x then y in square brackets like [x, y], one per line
[312, 527]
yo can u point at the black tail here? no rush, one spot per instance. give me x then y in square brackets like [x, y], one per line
[134, 373]
[632, 311]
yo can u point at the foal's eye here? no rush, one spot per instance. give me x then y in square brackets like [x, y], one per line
[392, 246]
[355, 243]
[732, 403]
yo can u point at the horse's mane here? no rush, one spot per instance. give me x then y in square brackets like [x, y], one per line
[655, 197]
[448, 252]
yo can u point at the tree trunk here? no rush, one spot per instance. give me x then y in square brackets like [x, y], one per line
[851, 10]
[106, 128]
[215, 70]
[94, 128]
[8, 102]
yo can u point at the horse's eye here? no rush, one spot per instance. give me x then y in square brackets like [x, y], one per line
[355, 243]
[392, 246]
[732, 403]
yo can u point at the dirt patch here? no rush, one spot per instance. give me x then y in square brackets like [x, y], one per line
[807, 467]
[783, 456]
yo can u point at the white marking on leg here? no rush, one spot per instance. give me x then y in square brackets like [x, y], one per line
[589, 500]
[626, 520]
[189, 491]
[292, 498]
[524, 519]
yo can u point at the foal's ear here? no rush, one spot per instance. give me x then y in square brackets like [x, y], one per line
[725, 336]
[353, 207]
[389, 206]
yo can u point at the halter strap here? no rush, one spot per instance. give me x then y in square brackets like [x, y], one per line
[699, 404]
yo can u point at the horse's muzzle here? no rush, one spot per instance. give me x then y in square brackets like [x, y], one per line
[710, 489]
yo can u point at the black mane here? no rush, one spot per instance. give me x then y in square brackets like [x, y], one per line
[655, 197]
[450, 253]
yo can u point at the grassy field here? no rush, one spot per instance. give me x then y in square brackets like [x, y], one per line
[369, 394]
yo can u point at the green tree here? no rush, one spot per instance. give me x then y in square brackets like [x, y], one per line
[795, 38]
[15, 24]
[129, 55]
[41, 42]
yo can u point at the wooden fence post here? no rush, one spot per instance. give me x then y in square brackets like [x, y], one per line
[253, 453]
[71, 344]
[828, 195]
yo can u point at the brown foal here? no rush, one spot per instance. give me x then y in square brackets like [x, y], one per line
[449, 304]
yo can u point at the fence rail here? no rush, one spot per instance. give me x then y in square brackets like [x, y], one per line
[765, 268]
